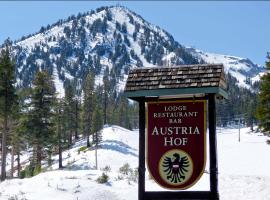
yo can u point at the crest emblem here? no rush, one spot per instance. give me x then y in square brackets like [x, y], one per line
[175, 167]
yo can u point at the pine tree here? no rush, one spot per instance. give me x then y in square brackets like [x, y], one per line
[251, 112]
[15, 137]
[19, 136]
[39, 123]
[70, 108]
[97, 124]
[77, 117]
[87, 109]
[106, 87]
[123, 118]
[60, 130]
[7, 99]
[263, 111]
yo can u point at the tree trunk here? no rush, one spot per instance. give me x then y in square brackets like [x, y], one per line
[4, 150]
[69, 139]
[12, 162]
[39, 156]
[34, 156]
[18, 163]
[96, 150]
[60, 157]
[105, 108]
[76, 120]
[96, 157]
[59, 148]
[87, 140]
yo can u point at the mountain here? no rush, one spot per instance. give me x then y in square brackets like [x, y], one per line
[110, 37]
[243, 69]
[112, 40]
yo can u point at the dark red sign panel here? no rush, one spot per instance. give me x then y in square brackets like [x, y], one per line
[176, 142]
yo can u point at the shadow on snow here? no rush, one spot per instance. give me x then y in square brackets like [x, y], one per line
[118, 146]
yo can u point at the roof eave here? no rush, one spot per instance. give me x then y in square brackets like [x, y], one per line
[176, 92]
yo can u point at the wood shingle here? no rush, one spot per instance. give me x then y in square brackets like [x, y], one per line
[179, 77]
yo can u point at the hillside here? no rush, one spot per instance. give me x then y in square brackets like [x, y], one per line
[110, 37]
[114, 39]
[243, 174]
[243, 69]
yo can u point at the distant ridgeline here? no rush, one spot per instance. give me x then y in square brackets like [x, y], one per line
[110, 41]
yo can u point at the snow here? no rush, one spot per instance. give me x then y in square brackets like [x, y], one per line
[243, 170]
[59, 86]
[119, 14]
[137, 49]
[39, 62]
[122, 83]
[227, 60]
[241, 78]
[169, 58]
[238, 67]
[257, 77]
[30, 42]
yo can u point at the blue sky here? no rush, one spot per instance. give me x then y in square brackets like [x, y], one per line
[228, 27]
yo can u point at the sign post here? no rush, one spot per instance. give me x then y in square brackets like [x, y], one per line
[174, 103]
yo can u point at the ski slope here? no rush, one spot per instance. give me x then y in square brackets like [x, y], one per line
[243, 170]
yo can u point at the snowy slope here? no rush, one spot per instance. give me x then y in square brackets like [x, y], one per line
[48, 45]
[69, 56]
[243, 170]
[240, 68]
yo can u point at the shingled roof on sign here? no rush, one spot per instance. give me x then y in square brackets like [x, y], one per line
[184, 79]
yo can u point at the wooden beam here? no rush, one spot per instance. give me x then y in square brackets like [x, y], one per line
[141, 181]
[213, 147]
[176, 91]
[178, 195]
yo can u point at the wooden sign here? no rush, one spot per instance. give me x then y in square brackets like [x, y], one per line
[176, 142]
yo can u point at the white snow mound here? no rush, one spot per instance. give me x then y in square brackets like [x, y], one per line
[243, 170]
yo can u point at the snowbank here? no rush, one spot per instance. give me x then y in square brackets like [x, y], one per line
[243, 170]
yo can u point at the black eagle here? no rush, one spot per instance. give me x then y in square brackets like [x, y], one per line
[176, 169]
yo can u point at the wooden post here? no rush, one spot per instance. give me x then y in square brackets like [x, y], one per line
[213, 147]
[141, 182]
[239, 129]
[96, 150]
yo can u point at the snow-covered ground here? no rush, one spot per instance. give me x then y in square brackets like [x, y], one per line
[243, 170]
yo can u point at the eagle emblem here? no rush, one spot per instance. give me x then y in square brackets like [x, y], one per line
[176, 167]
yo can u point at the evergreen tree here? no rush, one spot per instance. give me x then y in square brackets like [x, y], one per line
[7, 99]
[106, 86]
[124, 111]
[87, 108]
[251, 112]
[18, 138]
[39, 123]
[70, 108]
[97, 124]
[263, 111]
[77, 117]
[60, 129]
